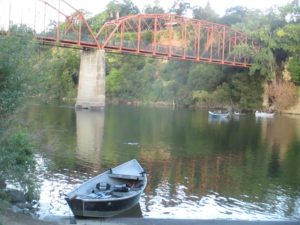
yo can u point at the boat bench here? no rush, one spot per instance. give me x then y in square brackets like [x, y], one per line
[125, 176]
[129, 175]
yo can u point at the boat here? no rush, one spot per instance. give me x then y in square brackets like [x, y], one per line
[218, 114]
[264, 114]
[109, 193]
[239, 114]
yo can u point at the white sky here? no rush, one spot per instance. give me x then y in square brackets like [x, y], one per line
[218, 5]
[31, 11]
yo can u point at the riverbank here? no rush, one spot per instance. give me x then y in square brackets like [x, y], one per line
[293, 110]
[10, 215]
[7, 217]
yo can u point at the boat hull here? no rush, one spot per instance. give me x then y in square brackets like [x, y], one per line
[218, 115]
[82, 208]
[264, 114]
[110, 193]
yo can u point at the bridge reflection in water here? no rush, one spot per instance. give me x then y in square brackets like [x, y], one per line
[89, 132]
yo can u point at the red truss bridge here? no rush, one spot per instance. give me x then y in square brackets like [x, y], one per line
[158, 35]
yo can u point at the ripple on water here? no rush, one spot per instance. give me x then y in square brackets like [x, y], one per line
[166, 201]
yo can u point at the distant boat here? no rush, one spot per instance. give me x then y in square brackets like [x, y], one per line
[110, 193]
[218, 114]
[264, 114]
[238, 114]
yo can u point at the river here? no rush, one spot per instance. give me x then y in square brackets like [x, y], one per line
[241, 168]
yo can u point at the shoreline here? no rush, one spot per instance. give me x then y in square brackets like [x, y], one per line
[8, 217]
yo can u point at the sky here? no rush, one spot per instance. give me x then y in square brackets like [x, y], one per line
[218, 5]
[29, 12]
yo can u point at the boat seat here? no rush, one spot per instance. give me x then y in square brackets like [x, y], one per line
[127, 175]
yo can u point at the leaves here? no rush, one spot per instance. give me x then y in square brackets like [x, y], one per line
[294, 68]
[15, 68]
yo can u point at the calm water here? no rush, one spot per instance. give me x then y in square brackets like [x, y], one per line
[241, 168]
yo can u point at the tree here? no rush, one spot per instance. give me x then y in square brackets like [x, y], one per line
[287, 38]
[16, 67]
[234, 15]
[294, 68]
[180, 7]
[206, 13]
[246, 91]
[58, 75]
[116, 9]
[154, 9]
[205, 77]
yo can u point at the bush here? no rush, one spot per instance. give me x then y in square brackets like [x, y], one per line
[282, 94]
[16, 158]
[294, 68]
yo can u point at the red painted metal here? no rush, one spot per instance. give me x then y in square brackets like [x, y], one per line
[159, 35]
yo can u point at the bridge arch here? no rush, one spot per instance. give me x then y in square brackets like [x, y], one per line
[173, 36]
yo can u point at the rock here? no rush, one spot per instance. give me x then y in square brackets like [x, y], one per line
[24, 206]
[2, 184]
[16, 196]
[16, 209]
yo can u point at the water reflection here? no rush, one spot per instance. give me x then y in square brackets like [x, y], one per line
[217, 119]
[89, 131]
[238, 169]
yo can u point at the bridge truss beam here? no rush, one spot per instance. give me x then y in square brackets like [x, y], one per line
[172, 36]
[158, 35]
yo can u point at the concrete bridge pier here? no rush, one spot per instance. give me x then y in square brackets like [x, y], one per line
[91, 86]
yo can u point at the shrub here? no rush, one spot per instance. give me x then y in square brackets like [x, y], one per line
[282, 94]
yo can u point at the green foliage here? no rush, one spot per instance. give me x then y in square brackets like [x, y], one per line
[234, 15]
[203, 98]
[153, 9]
[125, 79]
[294, 68]
[59, 75]
[218, 98]
[114, 83]
[16, 158]
[289, 37]
[97, 21]
[205, 13]
[180, 7]
[15, 67]
[263, 63]
[16, 152]
[124, 8]
[247, 91]
[205, 77]
[17, 73]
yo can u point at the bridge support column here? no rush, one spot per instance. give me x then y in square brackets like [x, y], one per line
[91, 86]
